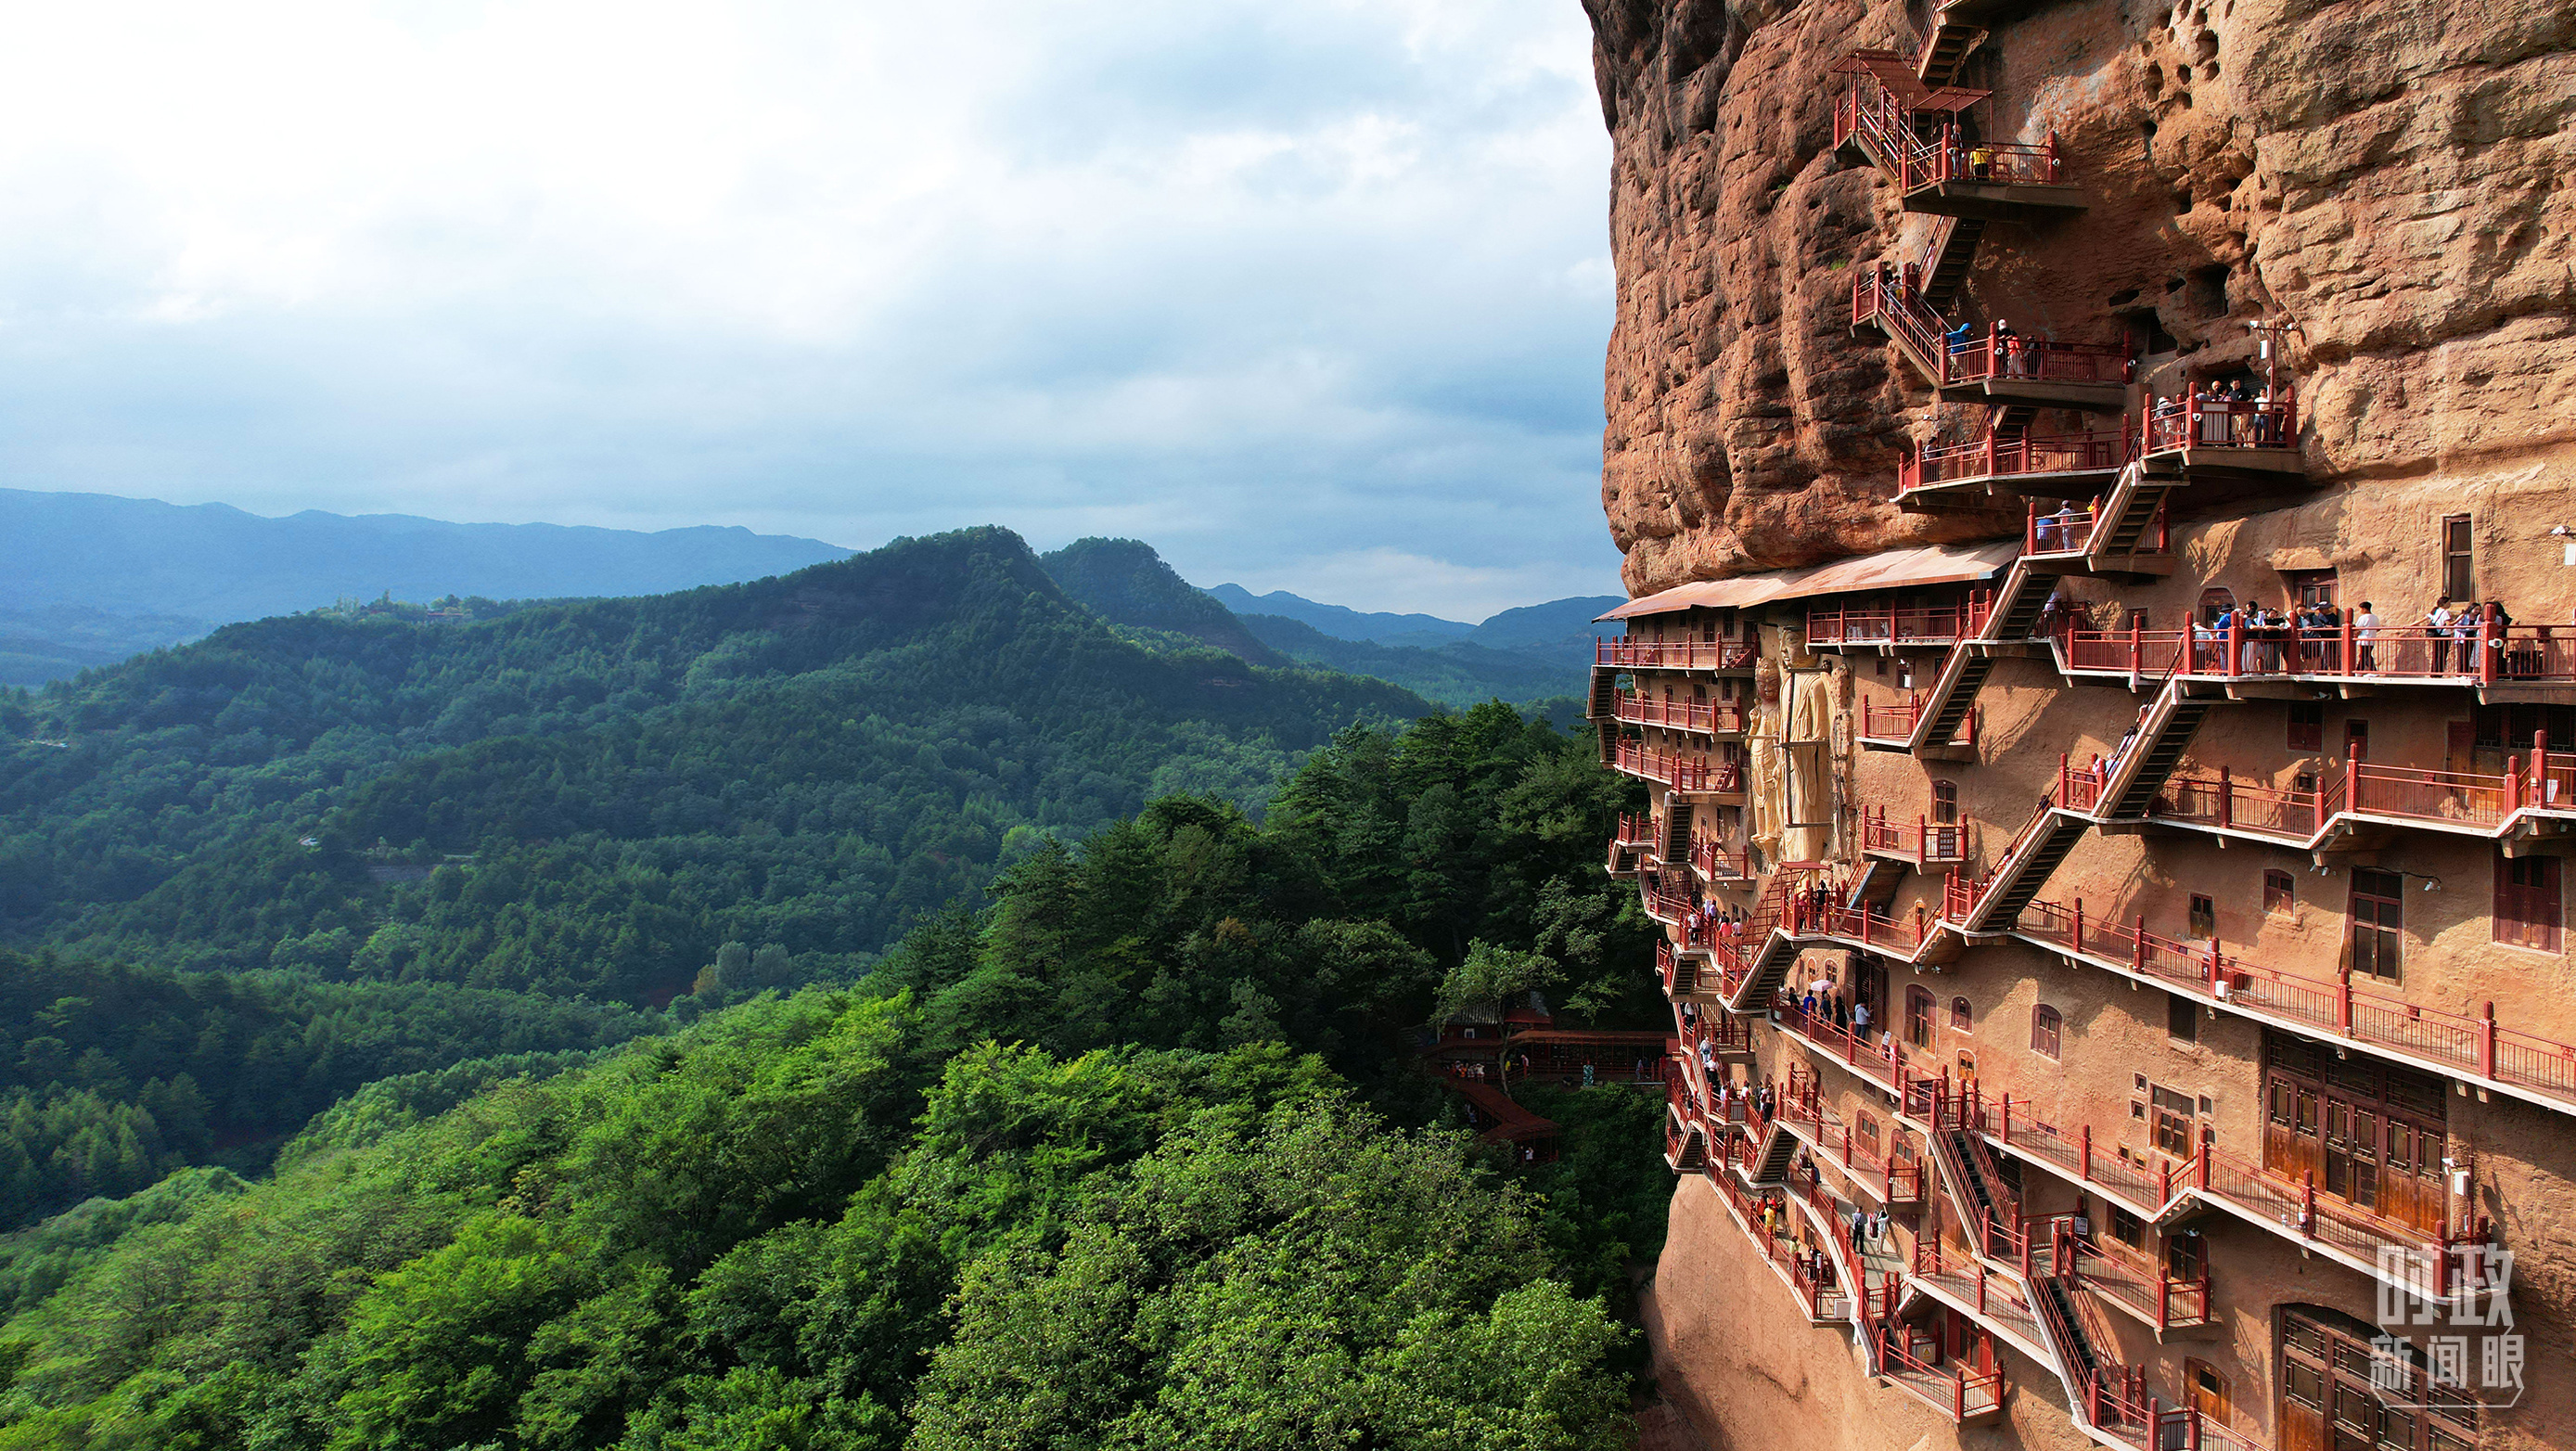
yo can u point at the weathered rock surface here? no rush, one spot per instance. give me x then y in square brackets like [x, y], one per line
[2389, 175]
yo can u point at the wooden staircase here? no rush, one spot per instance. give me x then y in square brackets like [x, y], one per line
[1951, 251]
[2033, 856]
[1946, 49]
[2151, 759]
[1674, 845]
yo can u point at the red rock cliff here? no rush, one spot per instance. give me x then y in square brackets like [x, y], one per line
[2389, 176]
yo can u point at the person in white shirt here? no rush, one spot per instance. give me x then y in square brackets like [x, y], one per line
[2437, 621]
[2365, 629]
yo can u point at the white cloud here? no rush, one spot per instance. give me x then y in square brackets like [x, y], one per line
[1254, 283]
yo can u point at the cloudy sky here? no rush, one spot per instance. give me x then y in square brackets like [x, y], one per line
[1309, 294]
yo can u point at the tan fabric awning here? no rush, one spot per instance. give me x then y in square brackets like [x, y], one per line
[1928, 564]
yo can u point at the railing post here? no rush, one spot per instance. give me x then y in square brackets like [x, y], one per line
[2351, 785]
[2346, 658]
[2137, 647]
[2087, 1160]
[2078, 943]
[2235, 661]
[2489, 643]
[2343, 1000]
[2202, 1165]
[2226, 798]
[2308, 1206]
[2164, 1314]
[2487, 1042]
[2138, 958]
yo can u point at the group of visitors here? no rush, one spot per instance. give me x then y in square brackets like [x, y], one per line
[2228, 414]
[1824, 1002]
[1709, 922]
[2307, 638]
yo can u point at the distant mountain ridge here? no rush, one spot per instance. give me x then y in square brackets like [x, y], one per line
[138, 573]
[1340, 621]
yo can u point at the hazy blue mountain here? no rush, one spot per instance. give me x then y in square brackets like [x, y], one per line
[1456, 674]
[1126, 583]
[1550, 624]
[1342, 622]
[136, 573]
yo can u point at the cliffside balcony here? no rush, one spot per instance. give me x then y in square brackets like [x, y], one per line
[1922, 842]
[2071, 538]
[2005, 368]
[1666, 895]
[2471, 803]
[1913, 1363]
[2476, 1048]
[1994, 367]
[2034, 463]
[2484, 656]
[2251, 437]
[1830, 1141]
[1890, 726]
[1717, 655]
[1708, 717]
[1631, 841]
[1886, 627]
[1997, 1303]
[2126, 1280]
[1819, 1303]
[1719, 867]
[2384, 1249]
[1682, 773]
[1888, 118]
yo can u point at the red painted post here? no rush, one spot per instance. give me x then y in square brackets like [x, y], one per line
[2163, 1315]
[2235, 645]
[2487, 1042]
[2343, 1000]
[2138, 647]
[2078, 943]
[2351, 785]
[2138, 963]
[2489, 643]
[2088, 1154]
[2308, 1206]
[2030, 527]
[2226, 798]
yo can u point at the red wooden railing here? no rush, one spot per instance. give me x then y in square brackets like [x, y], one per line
[2463, 1043]
[1923, 841]
[2270, 1197]
[1880, 296]
[1895, 721]
[2175, 423]
[1682, 773]
[2012, 455]
[1868, 112]
[1688, 715]
[1718, 864]
[1673, 654]
[1887, 625]
[2003, 357]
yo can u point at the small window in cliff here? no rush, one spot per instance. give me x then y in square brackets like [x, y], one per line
[2146, 331]
[2204, 918]
[1962, 1018]
[1945, 802]
[2277, 892]
[2209, 289]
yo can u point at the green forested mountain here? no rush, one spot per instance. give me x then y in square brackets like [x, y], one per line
[593, 797]
[1126, 583]
[1118, 1161]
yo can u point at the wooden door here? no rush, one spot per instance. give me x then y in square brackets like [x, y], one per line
[2208, 1392]
[2378, 916]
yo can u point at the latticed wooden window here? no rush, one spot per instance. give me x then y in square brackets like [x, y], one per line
[2527, 901]
[2047, 1031]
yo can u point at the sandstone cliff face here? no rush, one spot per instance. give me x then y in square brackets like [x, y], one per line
[2389, 175]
